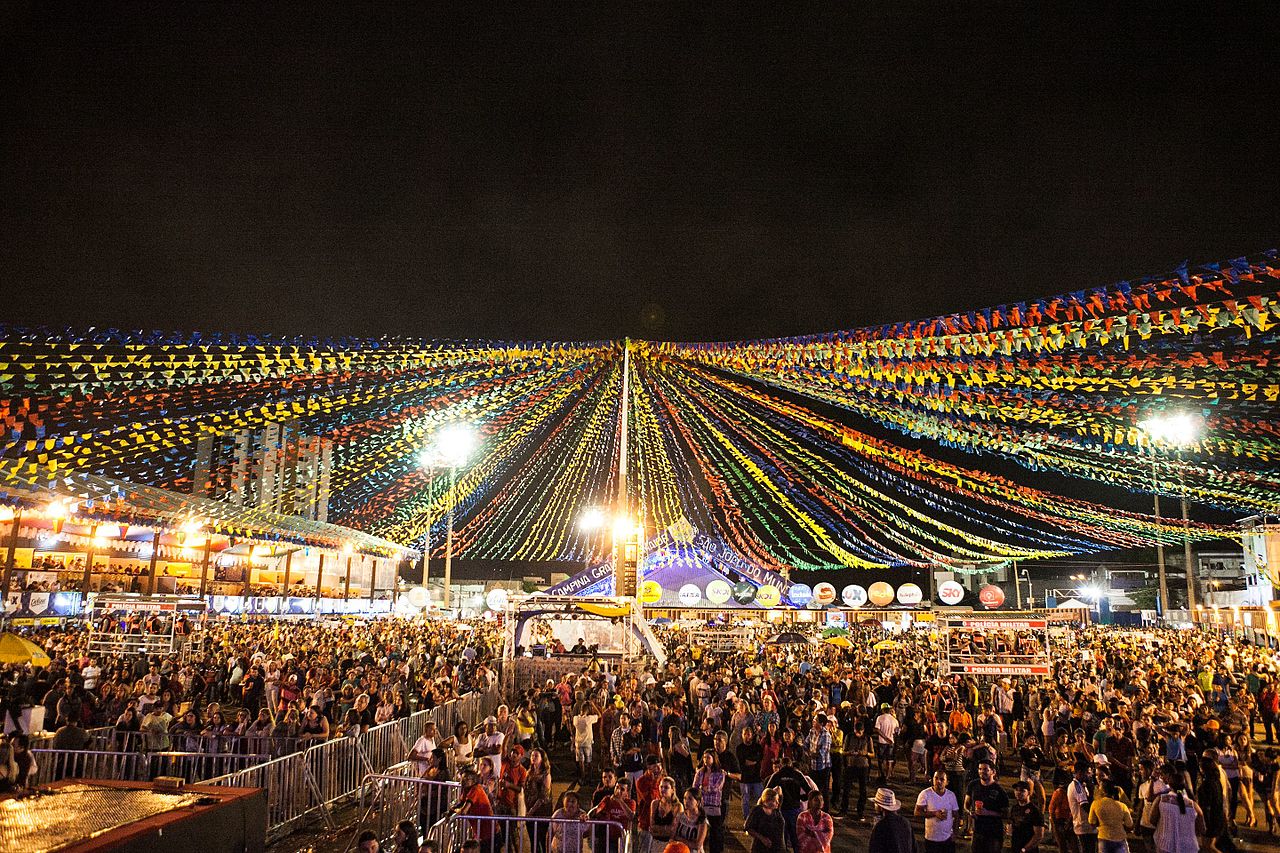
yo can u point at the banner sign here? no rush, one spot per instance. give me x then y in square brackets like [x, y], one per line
[727, 559]
[980, 624]
[1002, 669]
[583, 580]
[42, 605]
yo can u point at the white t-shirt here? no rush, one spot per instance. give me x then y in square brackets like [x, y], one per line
[90, 675]
[489, 742]
[582, 723]
[886, 728]
[938, 829]
[423, 746]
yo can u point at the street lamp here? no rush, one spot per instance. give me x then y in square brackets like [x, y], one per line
[452, 448]
[593, 518]
[1177, 430]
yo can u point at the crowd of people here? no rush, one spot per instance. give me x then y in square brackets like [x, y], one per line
[1157, 740]
[260, 688]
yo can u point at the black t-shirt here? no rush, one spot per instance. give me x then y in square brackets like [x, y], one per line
[771, 826]
[1032, 757]
[749, 757]
[728, 761]
[1025, 819]
[993, 798]
[794, 788]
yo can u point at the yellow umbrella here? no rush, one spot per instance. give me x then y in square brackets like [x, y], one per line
[887, 645]
[14, 649]
[842, 642]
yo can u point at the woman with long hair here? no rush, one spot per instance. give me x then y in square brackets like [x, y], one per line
[1177, 818]
[770, 748]
[691, 826]
[1244, 754]
[537, 798]
[662, 814]
[765, 824]
[710, 781]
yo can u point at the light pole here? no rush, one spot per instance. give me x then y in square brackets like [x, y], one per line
[1178, 430]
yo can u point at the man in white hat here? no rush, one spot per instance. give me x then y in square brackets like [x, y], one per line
[892, 832]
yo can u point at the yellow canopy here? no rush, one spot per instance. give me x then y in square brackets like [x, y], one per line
[842, 642]
[605, 609]
[15, 649]
[887, 645]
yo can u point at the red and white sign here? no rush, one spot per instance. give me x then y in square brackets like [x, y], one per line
[1002, 669]
[950, 593]
[991, 596]
[981, 624]
[824, 593]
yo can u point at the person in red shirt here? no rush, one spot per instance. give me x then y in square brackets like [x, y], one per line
[619, 810]
[646, 793]
[510, 783]
[475, 802]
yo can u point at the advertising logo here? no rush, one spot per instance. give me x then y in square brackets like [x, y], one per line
[690, 595]
[910, 594]
[853, 595]
[950, 593]
[824, 593]
[768, 596]
[881, 594]
[991, 596]
[650, 592]
[718, 592]
[744, 593]
[800, 594]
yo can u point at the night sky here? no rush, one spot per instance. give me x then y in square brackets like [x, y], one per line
[660, 171]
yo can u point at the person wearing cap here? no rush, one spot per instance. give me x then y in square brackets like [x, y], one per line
[988, 803]
[886, 727]
[795, 788]
[892, 832]
[1026, 819]
[489, 745]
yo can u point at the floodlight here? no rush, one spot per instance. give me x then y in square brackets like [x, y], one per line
[456, 443]
[1177, 429]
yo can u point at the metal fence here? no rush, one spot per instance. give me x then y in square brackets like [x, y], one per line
[395, 797]
[57, 764]
[307, 784]
[428, 806]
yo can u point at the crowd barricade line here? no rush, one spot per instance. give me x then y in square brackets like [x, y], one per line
[109, 739]
[309, 782]
[58, 764]
[394, 797]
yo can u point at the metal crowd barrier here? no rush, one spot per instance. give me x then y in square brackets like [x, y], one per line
[108, 739]
[309, 783]
[394, 797]
[428, 805]
[57, 764]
